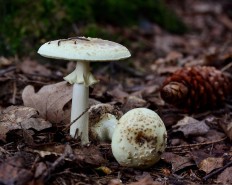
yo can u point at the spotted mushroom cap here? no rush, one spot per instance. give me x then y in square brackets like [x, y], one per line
[139, 138]
[82, 48]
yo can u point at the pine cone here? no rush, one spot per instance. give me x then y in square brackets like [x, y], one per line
[196, 88]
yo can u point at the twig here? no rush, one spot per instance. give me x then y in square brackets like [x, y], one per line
[217, 171]
[14, 93]
[226, 67]
[58, 162]
[9, 69]
[198, 144]
[86, 110]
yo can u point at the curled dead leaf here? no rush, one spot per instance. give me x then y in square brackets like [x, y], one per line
[211, 163]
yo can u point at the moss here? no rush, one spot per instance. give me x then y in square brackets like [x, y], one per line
[27, 24]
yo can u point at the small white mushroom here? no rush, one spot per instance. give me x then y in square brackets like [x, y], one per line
[103, 120]
[82, 50]
[139, 138]
[104, 129]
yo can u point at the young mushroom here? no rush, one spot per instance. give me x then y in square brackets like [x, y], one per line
[103, 120]
[103, 130]
[139, 138]
[82, 50]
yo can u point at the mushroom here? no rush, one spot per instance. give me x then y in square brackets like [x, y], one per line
[82, 50]
[103, 120]
[139, 138]
[103, 130]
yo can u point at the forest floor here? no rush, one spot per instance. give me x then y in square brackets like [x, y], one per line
[35, 146]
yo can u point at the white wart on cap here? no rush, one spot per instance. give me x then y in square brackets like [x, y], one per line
[139, 138]
[82, 50]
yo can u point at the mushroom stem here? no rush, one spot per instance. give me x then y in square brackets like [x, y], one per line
[82, 78]
[103, 130]
[109, 126]
[80, 101]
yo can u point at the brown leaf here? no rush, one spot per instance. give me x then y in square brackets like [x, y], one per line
[87, 155]
[147, 180]
[202, 7]
[115, 182]
[13, 172]
[226, 21]
[167, 65]
[211, 163]
[32, 67]
[225, 177]
[49, 101]
[19, 117]
[132, 102]
[118, 94]
[40, 168]
[191, 127]
[177, 162]
[199, 156]
[226, 125]
[5, 61]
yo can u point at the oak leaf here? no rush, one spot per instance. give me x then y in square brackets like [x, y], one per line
[50, 101]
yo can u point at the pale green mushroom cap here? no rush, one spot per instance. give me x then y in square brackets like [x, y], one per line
[85, 49]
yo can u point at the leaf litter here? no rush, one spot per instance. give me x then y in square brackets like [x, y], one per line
[20, 117]
[198, 151]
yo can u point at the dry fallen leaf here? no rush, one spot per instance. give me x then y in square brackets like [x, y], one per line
[32, 67]
[50, 101]
[226, 125]
[5, 61]
[117, 94]
[198, 156]
[19, 117]
[225, 177]
[14, 172]
[41, 167]
[132, 102]
[115, 182]
[167, 65]
[191, 127]
[178, 162]
[211, 163]
[147, 180]
[87, 155]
